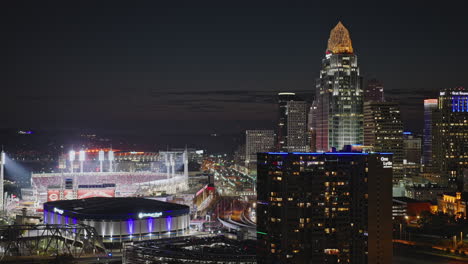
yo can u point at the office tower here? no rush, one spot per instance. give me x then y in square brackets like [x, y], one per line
[257, 141]
[411, 148]
[429, 106]
[339, 95]
[374, 91]
[324, 208]
[283, 99]
[292, 123]
[383, 130]
[450, 136]
[312, 125]
[297, 137]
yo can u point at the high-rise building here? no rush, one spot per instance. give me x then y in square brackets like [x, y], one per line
[282, 132]
[257, 141]
[339, 94]
[312, 125]
[429, 106]
[374, 91]
[324, 208]
[292, 123]
[297, 138]
[383, 130]
[450, 136]
[411, 148]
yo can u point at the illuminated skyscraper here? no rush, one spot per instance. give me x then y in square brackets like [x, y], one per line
[374, 91]
[429, 106]
[324, 208]
[450, 136]
[383, 130]
[257, 141]
[292, 123]
[283, 99]
[312, 126]
[339, 95]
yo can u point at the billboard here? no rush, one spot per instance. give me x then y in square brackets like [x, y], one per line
[53, 195]
[89, 193]
[68, 195]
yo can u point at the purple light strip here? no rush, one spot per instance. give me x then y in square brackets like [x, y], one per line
[169, 223]
[130, 225]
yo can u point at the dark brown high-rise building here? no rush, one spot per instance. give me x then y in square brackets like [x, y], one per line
[374, 91]
[324, 208]
[292, 133]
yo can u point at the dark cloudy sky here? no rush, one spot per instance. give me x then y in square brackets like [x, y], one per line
[202, 67]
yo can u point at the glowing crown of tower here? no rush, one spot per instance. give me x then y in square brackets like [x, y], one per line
[339, 41]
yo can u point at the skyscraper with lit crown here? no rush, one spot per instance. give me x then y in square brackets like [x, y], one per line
[339, 95]
[450, 136]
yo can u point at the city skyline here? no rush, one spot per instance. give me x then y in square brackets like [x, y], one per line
[220, 63]
[257, 132]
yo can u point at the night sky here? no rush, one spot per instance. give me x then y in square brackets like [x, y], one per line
[194, 67]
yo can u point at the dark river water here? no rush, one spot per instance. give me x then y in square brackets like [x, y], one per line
[411, 257]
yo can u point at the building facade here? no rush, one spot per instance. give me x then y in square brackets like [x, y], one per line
[282, 128]
[383, 130]
[374, 91]
[324, 208]
[312, 126]
[412, 148]
[453, 204]
[293, 134]
[450, 136]
[429, 106]
[257, 141]
[297, 137]
[425, 192]
[339, 95]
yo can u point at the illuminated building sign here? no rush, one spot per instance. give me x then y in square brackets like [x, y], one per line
[459, 93]
[386, 163]
[59, 211]
[157, 214]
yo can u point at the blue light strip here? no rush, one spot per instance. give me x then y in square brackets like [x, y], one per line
[453, 104]
[463, 101]
[327, 153]
[308, 153]
[460, 104]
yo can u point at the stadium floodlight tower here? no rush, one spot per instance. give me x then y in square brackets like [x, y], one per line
[71, 157]
[81, 157]
[101, 159]
[2, 165]
[111, 159]
[168, 164]
[185, 157]
[172, 161]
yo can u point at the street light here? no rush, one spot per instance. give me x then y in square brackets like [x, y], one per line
[71, 157]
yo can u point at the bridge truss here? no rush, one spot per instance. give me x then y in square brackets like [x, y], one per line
[48, 240]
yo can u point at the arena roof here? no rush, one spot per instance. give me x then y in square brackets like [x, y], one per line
[102, 208]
